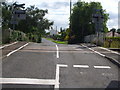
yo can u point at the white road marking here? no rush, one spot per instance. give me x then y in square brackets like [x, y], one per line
[94, 51]
[78, 49]
[110, 50]
[17, 50]
[8, 45]
[27, 81]
[81, 66]
[57, 74]
[102, 67]
[107, 74]
[57, 52]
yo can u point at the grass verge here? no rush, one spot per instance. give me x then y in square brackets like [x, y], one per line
[60, 42]
[56, 41]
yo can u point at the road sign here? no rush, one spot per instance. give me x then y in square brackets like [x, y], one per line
[19, 11]
[14, 22]
[20, 16]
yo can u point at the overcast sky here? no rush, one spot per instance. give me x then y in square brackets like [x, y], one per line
[58, 10]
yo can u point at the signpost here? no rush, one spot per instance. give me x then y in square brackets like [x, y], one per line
[98, 20]
[17, 14]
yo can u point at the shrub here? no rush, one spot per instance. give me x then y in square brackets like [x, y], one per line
[112, 42]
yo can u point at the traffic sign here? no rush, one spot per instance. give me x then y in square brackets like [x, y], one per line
[14, 22]
[20, 16]
[19, 11]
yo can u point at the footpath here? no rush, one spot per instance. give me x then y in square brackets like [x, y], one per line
[111, 55]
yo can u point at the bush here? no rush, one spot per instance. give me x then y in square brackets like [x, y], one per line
[112, 42]
[66, 38]
[39, 39]
[18, 36]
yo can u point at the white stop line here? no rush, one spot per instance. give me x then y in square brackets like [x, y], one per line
[27, 81]
[32, 81]
[58, 73]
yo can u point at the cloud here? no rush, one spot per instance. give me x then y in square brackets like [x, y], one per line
[59, 10]
[113, 15]
[53, 5]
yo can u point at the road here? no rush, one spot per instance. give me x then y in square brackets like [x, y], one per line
[59, 66]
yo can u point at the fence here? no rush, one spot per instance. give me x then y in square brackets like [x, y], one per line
[9, 35]
[94, 38]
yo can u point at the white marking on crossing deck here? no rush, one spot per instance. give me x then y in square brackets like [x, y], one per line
[110, 50]
[94, 51]
[57, 74]
[102, 67]
[27, 81]
[17, 50]
[81, 66]
[8, 45]
[57, 52]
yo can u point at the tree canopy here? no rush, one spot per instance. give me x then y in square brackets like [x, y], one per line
[81, 20]
[35, 19]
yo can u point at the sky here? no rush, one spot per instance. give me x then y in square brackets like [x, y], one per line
[59, 10]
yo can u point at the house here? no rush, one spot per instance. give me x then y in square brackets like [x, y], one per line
[53, 32]
[110, 34]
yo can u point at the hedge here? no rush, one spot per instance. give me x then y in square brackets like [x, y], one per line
[112, 42]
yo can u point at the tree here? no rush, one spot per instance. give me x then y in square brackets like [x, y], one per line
[113, 31]
[118, 30]
[35, 21]
[81, 20]
[6, 15]
[34, 25]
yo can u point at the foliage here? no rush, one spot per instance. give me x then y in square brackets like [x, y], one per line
[6, 15]
[57, 41]
[35, 21]
[18, 36]
[81, 20]
[60, 42]
[118, 30]
[34, 25]
[112, 42]
[113, 31]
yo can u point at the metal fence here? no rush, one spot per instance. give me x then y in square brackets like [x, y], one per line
[94, 38]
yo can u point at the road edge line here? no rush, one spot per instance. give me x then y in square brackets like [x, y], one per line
[17, 49]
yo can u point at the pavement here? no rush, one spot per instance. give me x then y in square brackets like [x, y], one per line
[51, 65]
[111, 55]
